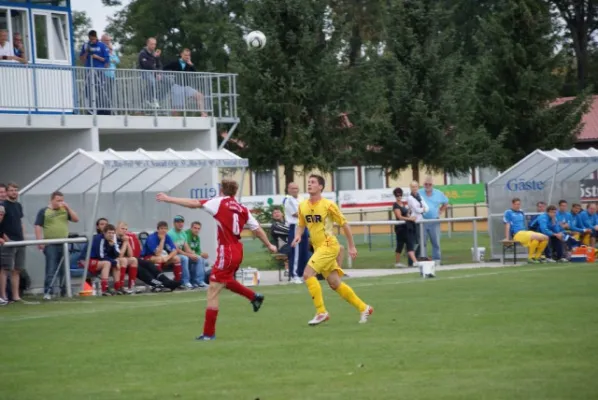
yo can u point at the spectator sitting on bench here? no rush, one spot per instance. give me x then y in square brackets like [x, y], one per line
[550, 227]
[104, 257]
[514, 220]
[279, 232]
[580, 233]
[533, 223]
[197, 269]
[161, 250]
[128, 262]
[589, 221]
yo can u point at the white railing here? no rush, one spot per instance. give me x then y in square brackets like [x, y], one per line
[66, 262]
[32, 88]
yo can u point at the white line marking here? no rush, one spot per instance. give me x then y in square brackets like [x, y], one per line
[107, 306]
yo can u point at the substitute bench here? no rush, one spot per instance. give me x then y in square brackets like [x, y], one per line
[509, 244]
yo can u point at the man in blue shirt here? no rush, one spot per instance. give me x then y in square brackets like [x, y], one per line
[551, 227]
[437, 203]
[589, 221]
[533, 222]
[161, 250]
[579, 231]
[95, 55]
[515, 229]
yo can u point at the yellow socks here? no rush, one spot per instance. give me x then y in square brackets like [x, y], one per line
[533, 248]
[541, 247]
[316, 294]
[349, 295]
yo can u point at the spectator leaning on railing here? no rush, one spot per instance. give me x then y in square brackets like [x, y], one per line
[114, 60]
[437, 203]
[183, 84]
[52, 222]
[7, 50]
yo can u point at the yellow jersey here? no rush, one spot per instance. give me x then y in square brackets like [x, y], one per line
[319, 218]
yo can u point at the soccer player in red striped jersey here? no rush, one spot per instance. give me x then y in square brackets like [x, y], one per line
[230, 217]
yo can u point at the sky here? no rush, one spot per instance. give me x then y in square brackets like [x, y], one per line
[96, 11]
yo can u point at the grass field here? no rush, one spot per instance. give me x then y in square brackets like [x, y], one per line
[513, 333]
[455, 250]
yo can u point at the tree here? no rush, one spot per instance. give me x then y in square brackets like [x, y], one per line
[293, 92]
[424, 93]
[81, 27]
[581, 20]
[517, 80]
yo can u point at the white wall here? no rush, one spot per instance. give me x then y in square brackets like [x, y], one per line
[25, 155]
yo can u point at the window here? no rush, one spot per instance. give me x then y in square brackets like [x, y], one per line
[42, 47]
[51, 37]
[53, 3]
[485, 175]
[373, 178]
[346, 178]
[462, 179]
[264, 183]
[17, 23]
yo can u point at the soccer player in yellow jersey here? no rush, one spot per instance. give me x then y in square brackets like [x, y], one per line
[318, 215]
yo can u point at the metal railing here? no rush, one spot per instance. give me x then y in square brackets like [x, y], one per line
[34, 88]
[66, 262]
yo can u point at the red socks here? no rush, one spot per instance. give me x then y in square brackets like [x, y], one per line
[123, 274]
[104, 285]
[178, 272]
[209, 325]
[132, 276]
[236, 287]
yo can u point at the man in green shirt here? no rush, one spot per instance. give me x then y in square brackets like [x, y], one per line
[187, 257]
[197, 269]
[52, 222]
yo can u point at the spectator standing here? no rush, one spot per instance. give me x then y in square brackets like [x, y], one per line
[179, 238]
[417, 208]
[52, 222]
[149, 60]
[183, 85]
[3, 195]
[96, 57]
[114, 60]
[299, 255]
[13, 257]
[437, 203]
[19, 49]
[405, 233]
[197, 269]
[3, 261]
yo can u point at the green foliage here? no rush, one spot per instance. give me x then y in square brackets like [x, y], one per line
[263, 213]
[516, 82]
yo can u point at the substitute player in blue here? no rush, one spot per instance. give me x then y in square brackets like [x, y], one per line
[515, 229]
[300, 254]
[589, 220]
[551, 227]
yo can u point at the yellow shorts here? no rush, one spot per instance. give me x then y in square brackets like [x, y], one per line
[323, 261]
[523, 237]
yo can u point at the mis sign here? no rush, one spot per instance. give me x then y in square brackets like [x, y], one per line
[521, 185]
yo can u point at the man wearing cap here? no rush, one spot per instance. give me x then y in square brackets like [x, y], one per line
[179, 237]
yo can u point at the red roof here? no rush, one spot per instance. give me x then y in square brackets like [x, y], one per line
[589, 131]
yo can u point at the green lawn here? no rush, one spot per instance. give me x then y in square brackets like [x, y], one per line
[455, 250]
[513, 333]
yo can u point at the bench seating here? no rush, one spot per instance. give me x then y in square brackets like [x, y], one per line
[509, 244]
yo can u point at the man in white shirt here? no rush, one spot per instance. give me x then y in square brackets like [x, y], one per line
[300, 253]
[7, 52]
[418, 208]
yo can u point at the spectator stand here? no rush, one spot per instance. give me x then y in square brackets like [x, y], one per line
[547, 176]
[123, 186]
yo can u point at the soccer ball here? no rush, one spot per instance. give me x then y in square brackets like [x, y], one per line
[256, 40]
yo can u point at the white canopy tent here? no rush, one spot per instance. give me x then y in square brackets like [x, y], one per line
[548, 176]
[121, 186]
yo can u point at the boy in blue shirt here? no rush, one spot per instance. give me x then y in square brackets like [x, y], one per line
[577, 228]
[551, 227]
[161, 250]
[515, 229]
[96, 55]
[589, 221]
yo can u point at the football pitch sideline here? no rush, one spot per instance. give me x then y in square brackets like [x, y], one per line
[525, 332]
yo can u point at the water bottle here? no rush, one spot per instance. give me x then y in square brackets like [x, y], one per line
[97, 290]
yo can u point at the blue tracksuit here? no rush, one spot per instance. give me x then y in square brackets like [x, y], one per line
[588, 221]
[576, 224]
[104, 251]
[550, 227]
